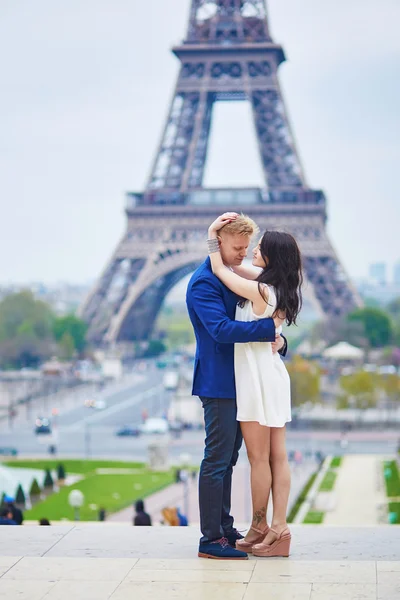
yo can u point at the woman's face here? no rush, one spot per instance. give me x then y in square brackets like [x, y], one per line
[258, 260]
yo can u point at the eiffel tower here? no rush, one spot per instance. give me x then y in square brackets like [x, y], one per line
[228, 54]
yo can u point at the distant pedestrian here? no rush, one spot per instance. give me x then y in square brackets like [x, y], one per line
[17, 515]
[183, 521]
[6, 517]
[141, 517]
[102, 514]
[44, 522]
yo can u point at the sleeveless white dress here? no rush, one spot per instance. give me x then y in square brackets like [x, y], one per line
[262, 381]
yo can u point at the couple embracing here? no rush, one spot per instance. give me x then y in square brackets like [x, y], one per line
[237, 314]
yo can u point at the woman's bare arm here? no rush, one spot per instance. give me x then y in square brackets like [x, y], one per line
[247, 271]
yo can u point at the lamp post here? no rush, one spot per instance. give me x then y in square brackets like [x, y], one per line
[76, 500]
[185, 460]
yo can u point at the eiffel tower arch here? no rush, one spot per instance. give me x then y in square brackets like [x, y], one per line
[228, 54]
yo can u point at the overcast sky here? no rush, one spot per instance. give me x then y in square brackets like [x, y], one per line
[84, 91]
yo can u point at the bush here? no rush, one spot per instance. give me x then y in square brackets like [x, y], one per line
[61, 472]
[336, 462]
[35, 489]
[48, 480]
[314, 517]
[20, 496]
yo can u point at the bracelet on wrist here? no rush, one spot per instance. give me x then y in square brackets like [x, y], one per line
[212, 245]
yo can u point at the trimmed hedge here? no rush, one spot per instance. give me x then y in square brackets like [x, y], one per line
[394, 507]
[392, 478]
[314, 517]
[336, 462]
[301, 498]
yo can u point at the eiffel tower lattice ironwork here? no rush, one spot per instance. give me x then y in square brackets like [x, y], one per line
[228, 54]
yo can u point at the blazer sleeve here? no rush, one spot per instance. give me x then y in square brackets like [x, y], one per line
[210, 309]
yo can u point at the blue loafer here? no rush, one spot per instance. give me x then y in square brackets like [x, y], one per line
[222, 550]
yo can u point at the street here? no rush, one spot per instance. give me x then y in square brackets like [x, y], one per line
[84, 432]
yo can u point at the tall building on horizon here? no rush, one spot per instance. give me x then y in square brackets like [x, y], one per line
[378, 273]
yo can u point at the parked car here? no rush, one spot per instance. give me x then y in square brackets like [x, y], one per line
[7, 451]
[128, 431]
[154, 425]
[42, 425]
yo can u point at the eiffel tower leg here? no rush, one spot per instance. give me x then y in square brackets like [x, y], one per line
[332, 288]
[279, 158]
[184, 143]
[198, 149]
[135, 316]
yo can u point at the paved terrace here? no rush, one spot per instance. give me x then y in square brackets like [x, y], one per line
[120, 562]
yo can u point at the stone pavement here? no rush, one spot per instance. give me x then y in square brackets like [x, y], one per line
[117, 562]
[241, 499]
[358, 492]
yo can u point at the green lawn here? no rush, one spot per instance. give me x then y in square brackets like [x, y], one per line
[78, 467]
[336, 462]
[314, 517]
[110, 491]
[328, 481]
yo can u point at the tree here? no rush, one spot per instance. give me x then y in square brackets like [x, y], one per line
[26, 337]
[394, 312]
[48, 480]
[35, 490]
[361, 388]
[61, 472]
[74, 328]
[304, 381]
[376, 324]
[20, 496]
[390, 384]
[394, 309]
[67, 346]
[154, 348]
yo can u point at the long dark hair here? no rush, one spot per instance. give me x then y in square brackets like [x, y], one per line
[283, 271]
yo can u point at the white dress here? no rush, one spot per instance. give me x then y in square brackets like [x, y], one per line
[262, 381]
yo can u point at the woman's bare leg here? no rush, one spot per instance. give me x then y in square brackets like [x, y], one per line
[257, 440]
[280, 481]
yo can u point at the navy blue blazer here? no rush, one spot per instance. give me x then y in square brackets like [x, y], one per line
[212, 306]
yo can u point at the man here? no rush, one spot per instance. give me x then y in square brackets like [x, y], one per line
[6, 517]
[141, 517]
[16, 512]
[212, 308]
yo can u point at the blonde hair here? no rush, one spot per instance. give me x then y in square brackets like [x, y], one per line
[242, 225]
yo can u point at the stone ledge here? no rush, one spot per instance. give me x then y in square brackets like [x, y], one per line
[310, 542]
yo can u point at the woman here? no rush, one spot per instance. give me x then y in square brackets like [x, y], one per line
[272, 286]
